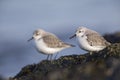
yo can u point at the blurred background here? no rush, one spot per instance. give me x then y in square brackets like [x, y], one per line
[19, 18]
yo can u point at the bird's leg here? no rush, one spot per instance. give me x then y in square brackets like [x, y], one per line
[51, 57]
[48, 56]
[56, 56]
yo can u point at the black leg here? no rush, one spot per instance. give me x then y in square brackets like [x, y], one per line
[56, 56]
[48, 56]
[51, 57]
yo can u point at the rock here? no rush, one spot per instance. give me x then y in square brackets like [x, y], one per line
[113, 38]
[103, 65]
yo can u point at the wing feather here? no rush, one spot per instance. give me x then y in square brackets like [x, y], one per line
[52, 41]
[94, 39]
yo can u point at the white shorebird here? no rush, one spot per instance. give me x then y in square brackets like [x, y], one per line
[90, 40]
[47, 43]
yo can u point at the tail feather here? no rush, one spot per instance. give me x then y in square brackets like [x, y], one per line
[108, 43]
[70, 45]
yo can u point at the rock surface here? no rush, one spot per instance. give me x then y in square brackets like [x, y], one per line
[103, 65]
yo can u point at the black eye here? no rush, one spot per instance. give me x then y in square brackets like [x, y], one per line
[37, 33]
[80, 31]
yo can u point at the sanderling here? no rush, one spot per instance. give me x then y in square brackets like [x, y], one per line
[90, 40]
[48, 43]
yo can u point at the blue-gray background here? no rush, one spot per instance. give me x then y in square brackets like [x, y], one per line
[19, 18]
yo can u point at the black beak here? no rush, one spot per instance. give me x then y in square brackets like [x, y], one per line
[30, 39]
[72, 36]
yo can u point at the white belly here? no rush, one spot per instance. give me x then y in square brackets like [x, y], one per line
[42, 47]
[84, 45]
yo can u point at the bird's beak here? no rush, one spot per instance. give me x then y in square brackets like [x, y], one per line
[30, 39]
[73, 36]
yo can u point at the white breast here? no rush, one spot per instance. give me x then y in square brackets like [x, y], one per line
[83, 43]
[42, 47]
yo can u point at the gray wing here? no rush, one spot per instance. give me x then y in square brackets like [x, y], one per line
[53, 42]
[94, 39]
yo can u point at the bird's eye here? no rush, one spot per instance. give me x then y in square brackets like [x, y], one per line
[80, 31]
[37, 33]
